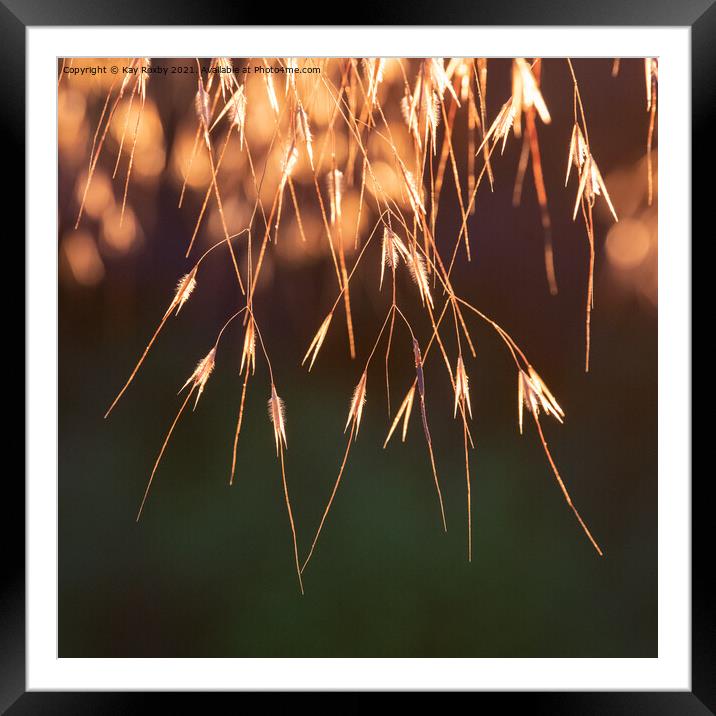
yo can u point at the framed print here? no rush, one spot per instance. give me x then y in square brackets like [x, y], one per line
[361, 361]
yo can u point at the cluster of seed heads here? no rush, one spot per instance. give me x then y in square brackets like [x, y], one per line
[360, 96]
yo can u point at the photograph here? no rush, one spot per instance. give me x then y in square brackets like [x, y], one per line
[358, 357]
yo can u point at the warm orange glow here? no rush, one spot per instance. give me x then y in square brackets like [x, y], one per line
[200, 173]
[628, 244]
[100, 194]
[118, 238]
[83, 258]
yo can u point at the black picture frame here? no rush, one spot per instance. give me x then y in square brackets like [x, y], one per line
[699, 15]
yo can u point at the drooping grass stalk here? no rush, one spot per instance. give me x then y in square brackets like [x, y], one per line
[469, 501]
[161, 452]
[327, 508]
[290, 519]
[542, 200]
[239, 420]
[562, 486]
[140, 88]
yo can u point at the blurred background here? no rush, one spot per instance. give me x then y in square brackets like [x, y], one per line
[209, 569]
